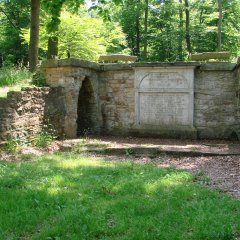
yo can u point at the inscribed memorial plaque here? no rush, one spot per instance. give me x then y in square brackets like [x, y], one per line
[164, 96]
[166, 109]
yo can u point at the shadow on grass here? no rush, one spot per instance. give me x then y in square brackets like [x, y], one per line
[155, 151]
[66, 196]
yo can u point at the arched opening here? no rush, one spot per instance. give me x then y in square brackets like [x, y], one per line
[86, 109]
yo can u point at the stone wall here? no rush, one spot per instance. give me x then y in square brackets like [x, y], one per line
[70, 78]
[106, 99]
[23, 113]
[117, 101]
[215, 103]
[214, 106]
[237, 76]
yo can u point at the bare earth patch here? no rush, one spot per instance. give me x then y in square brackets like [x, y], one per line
[223, 171]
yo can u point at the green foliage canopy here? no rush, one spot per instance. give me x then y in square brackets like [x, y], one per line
[166, 28]
[83, 36]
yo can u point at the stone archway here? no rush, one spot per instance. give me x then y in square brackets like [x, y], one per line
[87, 109]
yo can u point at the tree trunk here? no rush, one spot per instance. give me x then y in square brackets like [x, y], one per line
[1, 60]
[34, 35]
[220, 18]
[52, 52]
[133, 45]
[138, 35]
[145, 31]
[180, 37]
[188, 39]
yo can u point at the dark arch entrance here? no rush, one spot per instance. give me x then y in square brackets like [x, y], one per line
[86, 109]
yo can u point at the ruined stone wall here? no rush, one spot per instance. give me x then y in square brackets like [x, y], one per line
[22, 113]
[215, 112]
[215, 103]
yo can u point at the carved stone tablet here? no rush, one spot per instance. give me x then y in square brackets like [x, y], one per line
[164, 80]
[164, 97]
[166, 109]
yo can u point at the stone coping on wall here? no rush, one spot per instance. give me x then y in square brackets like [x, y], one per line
[73, 62]
[237, 66]
[218, 66]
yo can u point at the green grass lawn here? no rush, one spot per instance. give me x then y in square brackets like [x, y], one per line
[69, 196]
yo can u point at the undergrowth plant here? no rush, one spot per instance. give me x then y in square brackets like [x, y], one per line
[42, 139]
[12, 144]
[39, 79]
[15, 142]
[47, 135]
[129, 151]
[12, 75]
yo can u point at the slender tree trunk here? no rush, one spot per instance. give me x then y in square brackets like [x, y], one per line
[138, 35]
[133, 45]
[145, 31]
[180, 37]
[201, 16]
[1, 60]
[52, 52]
[220, 18]
[34, 35]
[188, 39]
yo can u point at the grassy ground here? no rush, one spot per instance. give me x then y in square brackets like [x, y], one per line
[13, 79]
[69, 196]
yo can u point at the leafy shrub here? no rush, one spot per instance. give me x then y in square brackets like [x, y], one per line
[9, 61]
[42, 139]
[38, 79]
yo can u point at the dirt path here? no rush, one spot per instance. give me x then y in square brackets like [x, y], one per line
[221, 172]
[218, 167]
[215, 163]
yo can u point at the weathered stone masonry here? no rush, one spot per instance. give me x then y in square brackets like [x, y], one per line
[23, 113]
[72, 79]
[166, 99]
[215, 103]
[188, 100]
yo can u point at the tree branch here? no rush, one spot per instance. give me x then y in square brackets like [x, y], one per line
[9, 19]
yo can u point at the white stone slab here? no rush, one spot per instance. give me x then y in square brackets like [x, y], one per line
[164, 96]
[164, 80]
[166, 109]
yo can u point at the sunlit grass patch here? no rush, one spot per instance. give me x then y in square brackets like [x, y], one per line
[13, 79]
[13, 75]
[69, 196]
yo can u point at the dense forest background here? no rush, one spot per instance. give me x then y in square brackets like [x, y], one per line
[154, 30]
